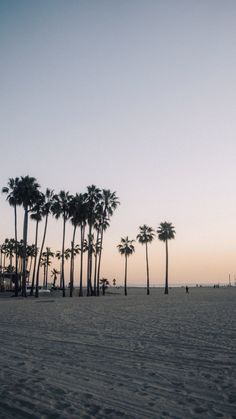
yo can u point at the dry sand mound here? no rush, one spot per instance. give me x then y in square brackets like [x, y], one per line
[128, 357]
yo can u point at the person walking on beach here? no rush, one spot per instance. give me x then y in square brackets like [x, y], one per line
[187, 289]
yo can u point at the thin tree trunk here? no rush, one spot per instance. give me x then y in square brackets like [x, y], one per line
[148, 291]
[16, 277]
[30, 268]
[89, 267]
[126, 257]
[44, 273]
[47, 265]
[40, 255]
[63, 258]
[95, 266]
[88, 261]
[99, 261]
[72, 263]
[10, 257]
[82, 230]
[166, 285]
[35, 258]
[23, 291]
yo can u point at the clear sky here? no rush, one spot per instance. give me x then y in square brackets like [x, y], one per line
[138, 96]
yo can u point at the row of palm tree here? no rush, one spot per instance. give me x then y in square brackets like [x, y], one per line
[165, 232]
[8, 251]
[91, 210]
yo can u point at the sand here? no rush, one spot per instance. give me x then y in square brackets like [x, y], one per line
[128, 357]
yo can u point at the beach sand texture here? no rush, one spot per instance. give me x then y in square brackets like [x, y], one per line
[157, 356]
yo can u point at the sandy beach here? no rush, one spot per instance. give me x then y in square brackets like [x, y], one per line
[128, 357]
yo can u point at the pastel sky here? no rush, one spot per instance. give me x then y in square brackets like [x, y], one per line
[138, 96]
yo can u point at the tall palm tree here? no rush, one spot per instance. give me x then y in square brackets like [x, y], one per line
[60, 208]
[36, 215]
[76, 210]
[92, 198]
[109, 202]
[14, 200]
[126, 248]
[45, 211]
[81, 216]
[27, 190]
[145, 236]
[166, 231]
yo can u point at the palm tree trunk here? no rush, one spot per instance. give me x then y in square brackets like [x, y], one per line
[148, 291]
[16, 277]
[82, 230]
[166, 285]
[35, 258]
[72, 264]
[30, 267]
[40, 255]
[99, 261]
[47, 265]
[63, 258]
[126, 257]
[44, 273]
[25, 229]
[89, 266]
[89, 271]
[95, 265]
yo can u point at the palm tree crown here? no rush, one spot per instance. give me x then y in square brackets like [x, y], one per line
[11, 191]
[27, 191]
[166, 231]
[126, 247]
[146, 234]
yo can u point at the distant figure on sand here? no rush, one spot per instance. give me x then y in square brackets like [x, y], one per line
[186, 289]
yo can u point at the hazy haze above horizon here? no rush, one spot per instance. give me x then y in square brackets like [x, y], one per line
[135, 96]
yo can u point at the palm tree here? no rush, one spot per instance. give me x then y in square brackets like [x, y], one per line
[76, 210]
[45, 211]
[105, 283]
[27, 189]
[54, 273]
[10, 248]
[14, 200]
[60, 208]
[36, 215]
[80, 216]
[20, 252]
[31, 252]
[166, 231]
[145, 236]
[109, 202]
[46, 259]
[92, 198]
[126, 248]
